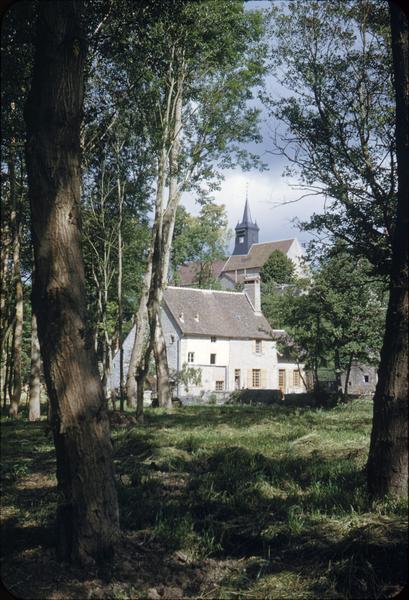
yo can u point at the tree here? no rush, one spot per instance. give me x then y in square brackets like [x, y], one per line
[16, 42]
[35, 373]
[278, 268]
[387, 467]
[201, 240]
[87, 515]
[199, 118]
[336, 118]
[338, 318]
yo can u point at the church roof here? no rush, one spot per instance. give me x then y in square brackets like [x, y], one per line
[215, 313]
[188, 272]
[256, 256]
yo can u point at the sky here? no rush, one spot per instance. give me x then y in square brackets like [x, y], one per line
[268, 191]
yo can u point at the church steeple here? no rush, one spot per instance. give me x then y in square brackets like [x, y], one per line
[246, 231]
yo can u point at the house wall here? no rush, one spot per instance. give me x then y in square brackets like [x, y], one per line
[230, 355]
[244, 357]
[290, 387]
[296, 253]
[127, 348]
[357, 383]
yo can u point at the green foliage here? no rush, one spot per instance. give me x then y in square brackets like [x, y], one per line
[277, 269]
[202, 239]
[337, 117]
[188, 376]
[338, 316]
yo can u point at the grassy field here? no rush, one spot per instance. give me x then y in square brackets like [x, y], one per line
[216, 502]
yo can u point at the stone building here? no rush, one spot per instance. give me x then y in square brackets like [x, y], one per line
[224, 335]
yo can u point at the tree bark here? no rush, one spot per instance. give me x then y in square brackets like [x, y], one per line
[35, 374]
[120, 189]
[15, 395]
[338, 381]
[387, 467]
[159, 342]
[87, 517]
[347, 374]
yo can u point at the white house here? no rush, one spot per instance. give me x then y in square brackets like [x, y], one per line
[225, 335]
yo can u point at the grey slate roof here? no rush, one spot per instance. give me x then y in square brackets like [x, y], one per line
[257, 255]
[220, 314]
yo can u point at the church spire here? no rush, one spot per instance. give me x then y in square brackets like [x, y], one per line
[246, 231]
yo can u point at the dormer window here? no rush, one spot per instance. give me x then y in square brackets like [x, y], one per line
[197, 318]
[181, 317]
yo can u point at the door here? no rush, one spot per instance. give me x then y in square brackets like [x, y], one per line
[281, 380]
[236, 379]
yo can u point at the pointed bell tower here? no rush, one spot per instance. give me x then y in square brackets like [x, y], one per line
[246, 232]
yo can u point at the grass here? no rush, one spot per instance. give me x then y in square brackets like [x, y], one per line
[231, 501]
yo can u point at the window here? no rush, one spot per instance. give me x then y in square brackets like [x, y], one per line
[190, 357]
[258, 346]
[366, 378]
[219, 386]
[213, 338]
[296, 377]
[212, 359]
[256, 378]
[172, 339]
[241, 240]
[281, 379]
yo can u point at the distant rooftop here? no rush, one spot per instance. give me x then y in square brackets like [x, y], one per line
[257, 255]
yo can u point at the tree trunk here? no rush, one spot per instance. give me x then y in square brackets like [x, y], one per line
[338, 380]
[159, 342]
[15, 223]
[120, 303]
[162, 370]
[18, 330]
[35, 374]
[141, 332]
[387, 467]
[87, 519]
[347, 374]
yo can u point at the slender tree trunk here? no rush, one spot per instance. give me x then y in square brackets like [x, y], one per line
[141, 333]
[338, 381]
[15, 222]
[119, 285]
[387, 467]
[159, 342]
[347, 375]
[87, 516]
[18, 329]
[162, 370]
[35, 374]
[8, 374]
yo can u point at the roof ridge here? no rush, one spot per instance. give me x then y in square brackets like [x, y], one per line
[272, 242]
[192, 289]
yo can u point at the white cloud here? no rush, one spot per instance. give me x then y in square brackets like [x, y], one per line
[268, 194]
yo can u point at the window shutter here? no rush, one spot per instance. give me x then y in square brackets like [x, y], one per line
[263, 378]
[249, 378]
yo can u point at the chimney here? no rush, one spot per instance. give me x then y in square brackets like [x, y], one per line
[252, 291]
